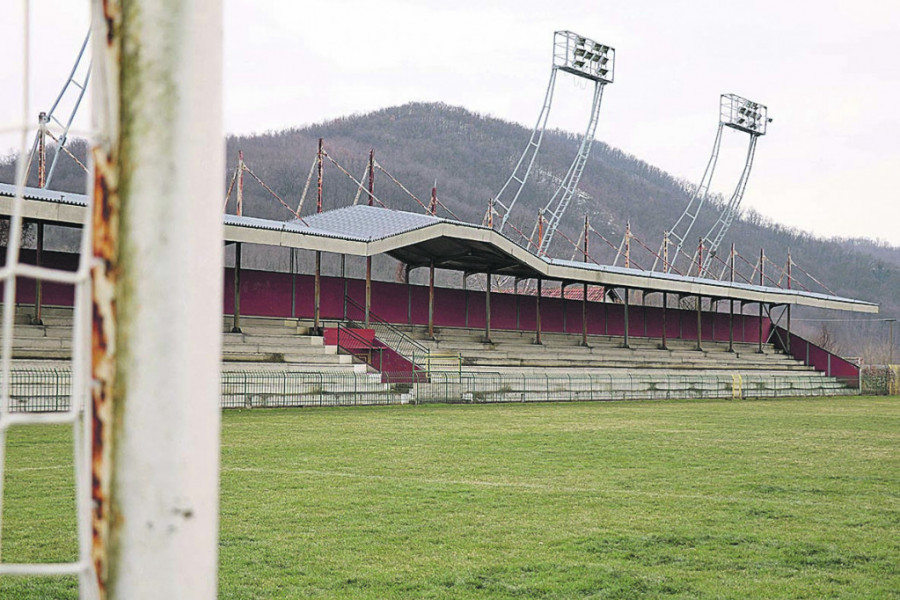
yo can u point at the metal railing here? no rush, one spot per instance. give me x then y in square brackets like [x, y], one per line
[358, 346]
[38, 390]
[392, 337]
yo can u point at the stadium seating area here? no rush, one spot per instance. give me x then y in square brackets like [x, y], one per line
[511, 367]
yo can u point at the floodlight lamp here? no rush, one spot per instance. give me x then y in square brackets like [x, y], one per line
[743, 114]
[583, 57]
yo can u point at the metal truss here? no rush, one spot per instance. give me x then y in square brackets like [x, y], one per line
[682, 228]
[568, 187]
[583, 58]
[714, 236]
[505, 200]
[74, 85]
[736, 113]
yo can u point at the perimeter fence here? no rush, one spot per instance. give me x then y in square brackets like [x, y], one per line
[48, 390]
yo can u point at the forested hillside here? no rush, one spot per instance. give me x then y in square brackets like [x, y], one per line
[471, 155]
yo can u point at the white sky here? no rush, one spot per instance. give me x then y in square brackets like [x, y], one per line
[827, 70]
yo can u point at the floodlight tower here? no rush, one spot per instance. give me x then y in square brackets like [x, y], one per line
[739, 114]
[75, 86]
[584, 58]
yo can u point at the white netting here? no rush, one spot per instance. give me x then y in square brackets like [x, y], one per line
[22, 130]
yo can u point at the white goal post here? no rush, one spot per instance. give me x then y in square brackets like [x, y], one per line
[148, 326]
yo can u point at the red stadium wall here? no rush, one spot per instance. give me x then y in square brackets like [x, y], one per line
[817, 357]
[266, 293]
[269, 294]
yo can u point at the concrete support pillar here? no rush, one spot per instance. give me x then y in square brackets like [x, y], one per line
[236, 323]
[537, 338]
[38, 284]
[487, 308]
[317, 292]
[627, 301]
[562, 297]
[431, 299]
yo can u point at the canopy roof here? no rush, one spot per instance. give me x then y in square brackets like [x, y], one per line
[417, 240]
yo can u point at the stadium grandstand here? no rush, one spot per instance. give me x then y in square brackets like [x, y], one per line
[558, 330]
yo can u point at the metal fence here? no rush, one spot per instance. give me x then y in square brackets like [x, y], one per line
[40, 390]
[37, 390]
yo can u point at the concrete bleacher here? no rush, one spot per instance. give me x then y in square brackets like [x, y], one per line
[276, 362]
[280, 344]
[641, 370]
[512, 349]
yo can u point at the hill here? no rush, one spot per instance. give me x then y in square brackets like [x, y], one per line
[471, 155]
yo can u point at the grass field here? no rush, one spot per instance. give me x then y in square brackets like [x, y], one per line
[762, 499]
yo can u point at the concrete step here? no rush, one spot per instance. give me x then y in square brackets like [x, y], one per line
[273, 346]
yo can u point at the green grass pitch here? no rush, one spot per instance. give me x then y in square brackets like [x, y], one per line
[705, 499]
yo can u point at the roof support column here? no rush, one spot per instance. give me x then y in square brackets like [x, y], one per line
[537, 337]
[236, 324]
[759, 349]
[584, 295]
[431, 299]
[38, 284]
[293, 283]
[788, 341]
[317, 292]
[408, 295]
[487, 308]
[731, 325]
[562, 297]
[627, 299]
[663, 345]
[699, 322]
[466, 296]
[644, 310]
[368, 289]
[762, 266]
[344, 282]
[731, 305]
[516, 294]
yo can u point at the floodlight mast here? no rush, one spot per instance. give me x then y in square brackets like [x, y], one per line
[740, 114]
[583, 58]
[568, 187]
[79, 85]
[752, 118]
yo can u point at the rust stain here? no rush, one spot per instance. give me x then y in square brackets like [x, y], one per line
[112, 12]
[103, 332]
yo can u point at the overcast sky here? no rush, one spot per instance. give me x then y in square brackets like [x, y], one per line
[826, 69]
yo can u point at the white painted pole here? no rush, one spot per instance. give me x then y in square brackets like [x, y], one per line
[160, 179]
